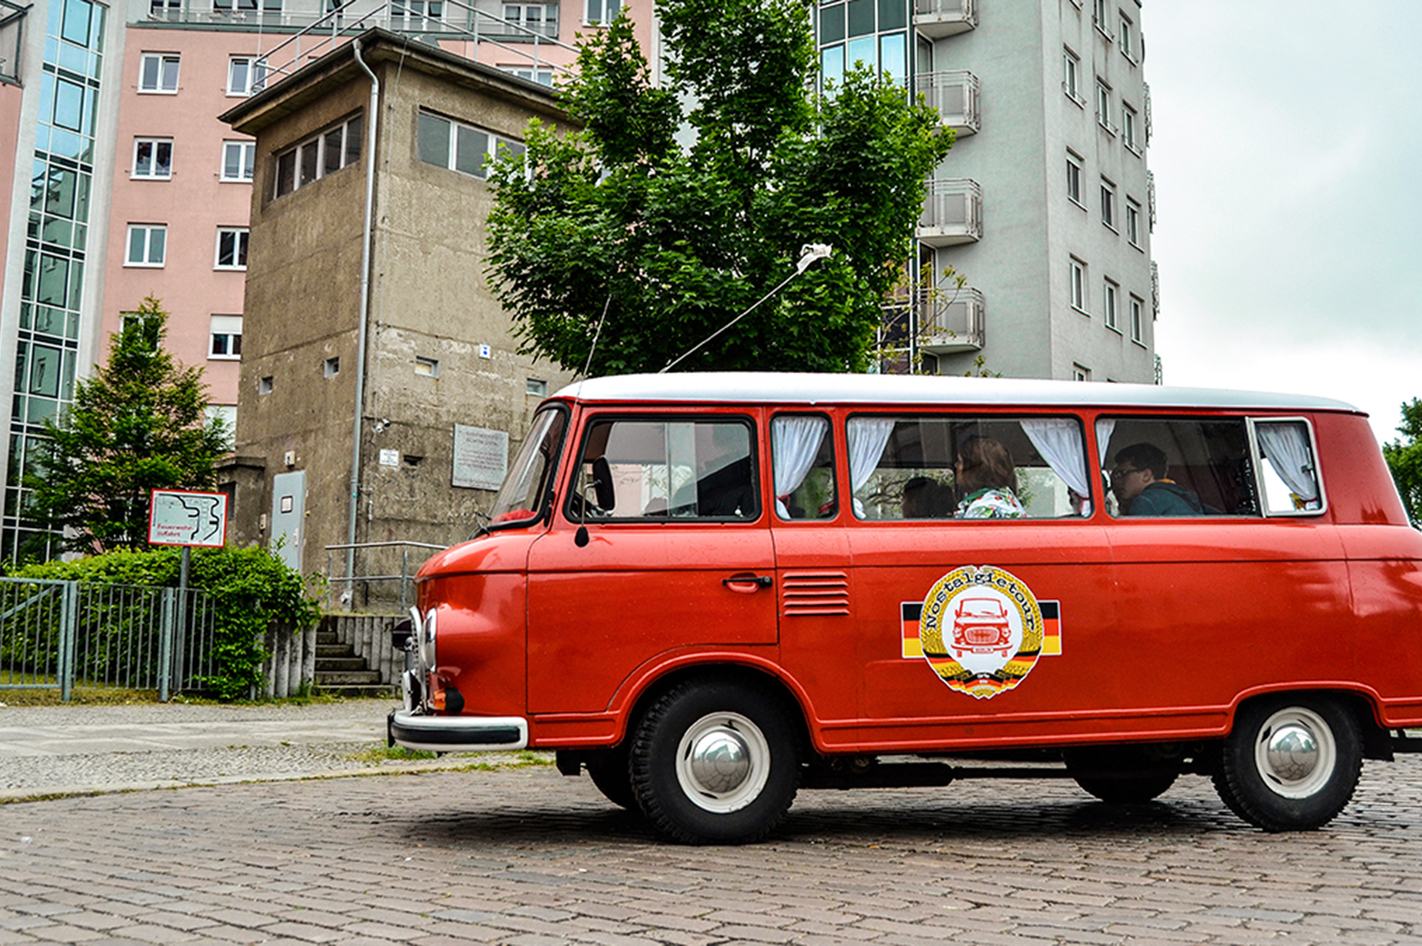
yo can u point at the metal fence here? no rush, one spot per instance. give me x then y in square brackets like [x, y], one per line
[66, 634]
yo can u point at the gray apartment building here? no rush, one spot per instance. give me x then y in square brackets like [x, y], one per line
[1045, 204]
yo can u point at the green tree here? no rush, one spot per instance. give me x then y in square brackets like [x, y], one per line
[620, 233]
[137, 425]
[1404, 458]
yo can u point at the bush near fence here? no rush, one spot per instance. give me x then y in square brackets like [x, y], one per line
[252, 592]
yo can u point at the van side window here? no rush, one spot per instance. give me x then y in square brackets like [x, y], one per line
[802, 456]
[1289, 474]
[1177, 468]
[956, 467]
[640, 468]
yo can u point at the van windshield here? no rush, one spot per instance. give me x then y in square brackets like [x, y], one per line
[530, 480]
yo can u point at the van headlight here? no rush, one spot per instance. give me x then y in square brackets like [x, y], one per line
[427, 640]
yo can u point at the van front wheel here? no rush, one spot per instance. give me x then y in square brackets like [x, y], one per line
[715, 762]
[1291, 763]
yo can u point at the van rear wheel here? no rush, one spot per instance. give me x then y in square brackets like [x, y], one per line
[1291, 763]
[715, 763]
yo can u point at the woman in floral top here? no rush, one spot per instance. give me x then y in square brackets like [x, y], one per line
[986, 480]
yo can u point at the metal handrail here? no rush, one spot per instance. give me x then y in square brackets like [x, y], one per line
[335, 22]
[404, 576]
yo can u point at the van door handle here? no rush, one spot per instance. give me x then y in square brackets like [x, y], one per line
[758, 581]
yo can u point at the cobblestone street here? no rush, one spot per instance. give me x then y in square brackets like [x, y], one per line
[524, 856]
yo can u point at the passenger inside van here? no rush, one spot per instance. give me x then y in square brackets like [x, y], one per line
[1141, 486]
[987, 481]
[926, 498]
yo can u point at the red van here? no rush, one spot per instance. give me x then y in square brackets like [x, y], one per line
[712, 590]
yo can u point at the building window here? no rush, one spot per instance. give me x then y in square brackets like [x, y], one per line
[239, 159]
[225, 338]
[458, 147]
[1080, 372]
[152, 159]
[541, 76]
[1127, 36]
[1078, 285]
[601, 12]
[245, 75]
[165, 9]
[231, 248]
[1128, 128]
[1071, 76]
[158, 73]
[426, 367]
[1103, 106]
[416, 14]
[1074, 163]
[333, 149]
[540, 18]
[1108, 203]
[1133, 222]
[147, 244]
[1098, 18]
[332, 367]
[534, 387]
[246, 6]
[1108, 302]
[1137, 318]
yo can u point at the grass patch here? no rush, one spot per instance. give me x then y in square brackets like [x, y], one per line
[386, 753]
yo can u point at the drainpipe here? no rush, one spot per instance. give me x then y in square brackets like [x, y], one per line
[374, 111]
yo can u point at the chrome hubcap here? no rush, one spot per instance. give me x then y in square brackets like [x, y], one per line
[723, 762]
[1295, 753]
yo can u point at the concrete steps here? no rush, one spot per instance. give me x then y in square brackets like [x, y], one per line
[340, 671]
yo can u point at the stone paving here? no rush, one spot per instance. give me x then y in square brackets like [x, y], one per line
[525, 856]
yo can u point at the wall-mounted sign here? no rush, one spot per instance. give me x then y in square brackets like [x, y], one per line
[180, 517]
[389, 457]
[481, 457]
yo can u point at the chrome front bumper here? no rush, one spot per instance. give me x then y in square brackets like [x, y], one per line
[415, 730]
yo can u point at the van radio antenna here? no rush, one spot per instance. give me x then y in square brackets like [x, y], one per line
[597, 334]
[808, 254]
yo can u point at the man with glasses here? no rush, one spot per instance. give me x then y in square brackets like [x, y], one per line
[1141, 487]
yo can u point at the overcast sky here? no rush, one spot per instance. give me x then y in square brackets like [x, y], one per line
[1287, 152]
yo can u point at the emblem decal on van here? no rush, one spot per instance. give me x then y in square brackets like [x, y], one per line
[981, 630]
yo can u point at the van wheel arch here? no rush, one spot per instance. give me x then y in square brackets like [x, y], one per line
[729, 673]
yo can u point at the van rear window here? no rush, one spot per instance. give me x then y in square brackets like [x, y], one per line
[956, 467]
[666, 468]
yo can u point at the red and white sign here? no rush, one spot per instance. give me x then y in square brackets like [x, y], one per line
[181, 517]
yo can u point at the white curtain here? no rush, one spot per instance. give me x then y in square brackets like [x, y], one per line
[867, 437]
[1060, 443]
[1104, 428]
[795, 442]
[1286, 448]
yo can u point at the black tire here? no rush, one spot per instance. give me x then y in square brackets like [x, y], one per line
[1120, 775]
[608, 770]
[1291, 763]
[715, 762]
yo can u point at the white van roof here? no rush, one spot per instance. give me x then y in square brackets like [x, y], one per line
[755, 387]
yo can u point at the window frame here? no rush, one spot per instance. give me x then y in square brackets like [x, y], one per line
[297, 154]
[240, 248]
[964, 415]
[1110, 302]
[1078, 274]
[234, 339]
[1076, 164]
[1129, 124]
[605, 6]
[1103, 106]
[493, 142]
[830, 440]
[148, 229]
[250, 62]
[1257, 459]
[1137, 314]
[748, 421]
[1108, 204]
[1133, 222]
[164, 59]
[154, 142]
[245, 148]
[1071, 76]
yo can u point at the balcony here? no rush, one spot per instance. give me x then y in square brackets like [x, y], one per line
[956, 96]
[952, 213]
[949, 320]
[939, 18]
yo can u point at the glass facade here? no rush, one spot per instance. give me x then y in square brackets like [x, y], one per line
[47, 344]
[868, 33]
